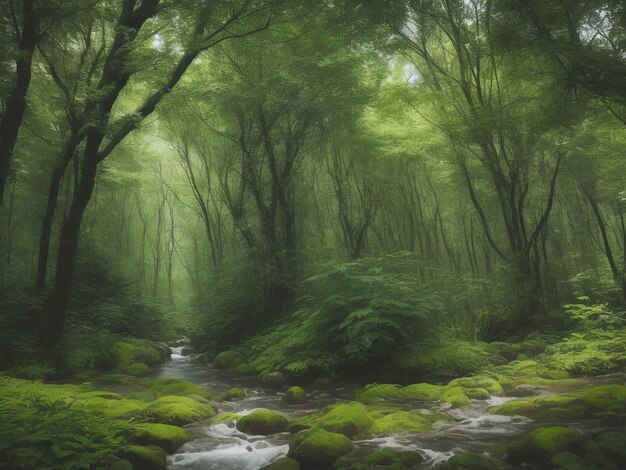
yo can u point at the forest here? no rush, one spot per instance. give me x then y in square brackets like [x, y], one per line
[312, 234]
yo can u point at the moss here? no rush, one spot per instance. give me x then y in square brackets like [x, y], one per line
[120, 464]
[284, 463]
[613, 445]
[295, 396]
[177, 410]
[101, 394]
[235, 393]
[131, 350]
[263, 422]
[479, 381]
[350, 419]
[456, 397]
[163, 435]
[170, 386]
[203, 358]
[225, 418]
[271, 379]
[317, 448]
[477, 393]
[570, 461]
[395, 421]
[382, 459]
[228, 360]
[144, 457]
[133, 368]
[243, 368]
[542, 444]
[473, 462]
[114, 408]
[600, 401]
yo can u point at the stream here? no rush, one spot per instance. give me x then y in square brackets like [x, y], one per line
[222, 447]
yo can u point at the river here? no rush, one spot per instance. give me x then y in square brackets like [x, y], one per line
[222, 447]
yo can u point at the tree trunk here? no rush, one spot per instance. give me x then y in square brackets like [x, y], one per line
[16, 101]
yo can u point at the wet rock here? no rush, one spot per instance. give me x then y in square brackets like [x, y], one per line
[284, 463]
[177, 410]
[144, 457]
[168, 437]
[235, 393]
[349, 419]
[271, 379]
[295, 396]
[473, 462]
[524, 390]
[541, 445]
[382, 459]
[262, 422]
[228, 360]
[317, 448]
[186, 351]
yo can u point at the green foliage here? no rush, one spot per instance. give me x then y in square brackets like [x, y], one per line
[353, 314]
[44, 432]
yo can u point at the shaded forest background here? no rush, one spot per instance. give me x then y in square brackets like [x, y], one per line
[318, 181]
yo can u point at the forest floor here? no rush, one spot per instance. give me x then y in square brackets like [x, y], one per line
[529, 409]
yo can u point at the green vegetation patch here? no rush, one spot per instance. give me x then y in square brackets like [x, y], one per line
[263, 422]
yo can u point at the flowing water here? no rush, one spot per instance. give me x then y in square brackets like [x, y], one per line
[222, 447]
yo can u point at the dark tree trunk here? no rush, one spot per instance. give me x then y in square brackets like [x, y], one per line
[16, 101]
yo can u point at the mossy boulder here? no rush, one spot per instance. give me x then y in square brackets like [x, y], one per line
[171, 386]
[131, 350]
[243, 368]
[168, 437]
[133, 368]
[350, 419]
[456, 397]
[382, 459]
[317, 448]
[479, 381]
[473, 462]
[203, 358]
[602, 401]
[113, 407]
[144, 457]
[477, 393]
[177, 410]
[453, 395]
[272, 379]
[263, 422]
[542, 444]
[613, 445]
[284, 463]
[395, 421]
[235, 393]
[295, 396]
[228, 360]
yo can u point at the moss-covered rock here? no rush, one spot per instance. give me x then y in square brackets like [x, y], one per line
[271, 379]
[168, 437]
[542, 444]
[477, 393]
[203, 358]
[613, 445]
[144, 457]
[133, 368]
[244, 368]
[456, 397]
[228, 360]
[317, 448]
[479, 381]
[177, 410]
[131, 350]
[473, 462]
[606, 400]
[171, 386]
[284, 463]
[453, 395]
[235, 393]
[263, 422]
[349, 419]
[395, 421]
[295, 396]
[113, 407]
[382, 459]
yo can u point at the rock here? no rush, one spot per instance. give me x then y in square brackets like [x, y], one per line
[177, 410]
[243, 368]
[295, 396]
[473, 462]
[133, 368]
[271, 379]
[317, 448]
[284, 463]
[349, 419]
[524, 390]
[199, 399]
[226, 418]
[384, 458]
[397, 421]
[613, 445]
[235, 393]
[477, 393]
[186, 351]
[228, 360]
[120, 464]
[454, 395]
[478, 381]
[542, 444]
[144, 457]
[179, 342]
[168, 437]
[263, 422]
[171, 386]
[203, 358]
